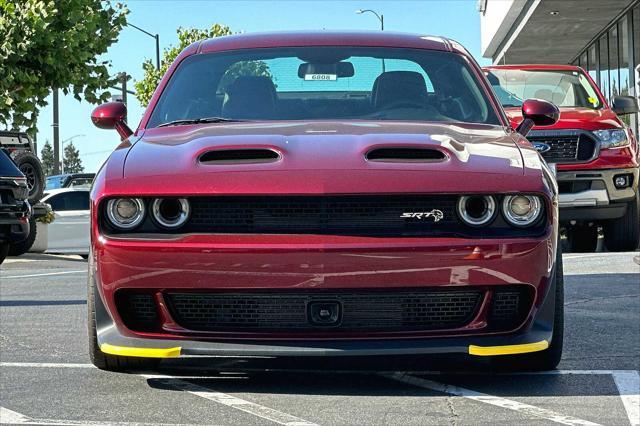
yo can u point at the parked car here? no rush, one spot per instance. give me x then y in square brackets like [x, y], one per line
[82, 180]
[596, 153]
[69, 231]
[14, 207]
[375, 201]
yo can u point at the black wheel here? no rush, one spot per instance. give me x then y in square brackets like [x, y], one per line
[31, 168]
[20, 248]
[582, 238]
[4, 251]
[624, 234]
[549, 358]
[106, 361]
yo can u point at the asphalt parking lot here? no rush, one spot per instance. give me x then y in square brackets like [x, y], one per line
[46, 378]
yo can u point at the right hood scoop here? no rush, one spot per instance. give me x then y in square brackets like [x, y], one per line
[405, 155]
[239, 156]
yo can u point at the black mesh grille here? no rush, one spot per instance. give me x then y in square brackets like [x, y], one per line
[322, 214]
[138, 311]
[566, 148]
[361, 311]
[509, 308]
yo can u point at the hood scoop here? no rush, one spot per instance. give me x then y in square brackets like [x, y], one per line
[405, 155]
[239, 156]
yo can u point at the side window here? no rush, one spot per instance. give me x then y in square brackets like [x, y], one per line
[70, 201]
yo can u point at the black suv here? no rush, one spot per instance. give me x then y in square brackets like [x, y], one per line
[14, 205]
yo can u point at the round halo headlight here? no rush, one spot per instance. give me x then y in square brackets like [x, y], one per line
[125, 213]
[171, 213]
[476, 210]
[521, 210]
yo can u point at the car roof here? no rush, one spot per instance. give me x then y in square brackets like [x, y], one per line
[52, 192]
[549, 67]
[329, 38]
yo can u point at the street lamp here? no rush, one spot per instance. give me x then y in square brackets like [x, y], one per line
[62, 146]
[380, 17]
[155, 36]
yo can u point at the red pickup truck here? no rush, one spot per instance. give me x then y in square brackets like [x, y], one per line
[595, 153]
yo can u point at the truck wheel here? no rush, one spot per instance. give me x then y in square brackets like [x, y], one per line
[19, 248]
[549, 358]
[31, 168]
[106, 361]
[624, 234]
[582, 238]
[4, 251]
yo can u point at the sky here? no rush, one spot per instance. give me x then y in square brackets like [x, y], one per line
[456, 19]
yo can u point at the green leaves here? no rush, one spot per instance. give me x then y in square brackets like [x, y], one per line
[53, 43]
[186, 36]
[71, 161]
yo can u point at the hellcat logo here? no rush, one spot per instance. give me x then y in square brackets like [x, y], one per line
[435, 214]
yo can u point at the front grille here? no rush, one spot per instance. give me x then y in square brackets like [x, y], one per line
[360, 311]
[509, 307]
[566, 146]
[137, 310]
[377, 214]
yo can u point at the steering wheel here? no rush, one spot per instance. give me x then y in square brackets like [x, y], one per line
[403, 103]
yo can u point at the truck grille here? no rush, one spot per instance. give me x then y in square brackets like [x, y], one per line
[566, 146]
[359, 311]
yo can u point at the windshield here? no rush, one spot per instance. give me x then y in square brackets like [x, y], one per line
[324, 83]
[563, 88]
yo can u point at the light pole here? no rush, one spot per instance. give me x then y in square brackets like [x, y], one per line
[380, 17]
[62, 149]
[155, 36]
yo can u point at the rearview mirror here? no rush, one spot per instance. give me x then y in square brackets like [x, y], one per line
[336, 70]
[112, 115]
[537, 112]
[622, 105]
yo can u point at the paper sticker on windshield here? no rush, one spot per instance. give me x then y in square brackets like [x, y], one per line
[593, 101]
[321, 77]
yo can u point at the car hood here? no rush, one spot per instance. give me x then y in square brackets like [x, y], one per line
[574, 118]
[322, 157]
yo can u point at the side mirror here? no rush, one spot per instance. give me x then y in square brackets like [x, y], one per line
[537, 112]
[112, 115]
[622, 105]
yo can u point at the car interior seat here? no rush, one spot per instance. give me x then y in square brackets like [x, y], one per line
[395, 87]
[250, 97]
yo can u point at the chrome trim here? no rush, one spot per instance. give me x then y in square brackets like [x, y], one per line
[590, 197]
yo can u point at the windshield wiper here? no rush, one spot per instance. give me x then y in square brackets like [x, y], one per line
[199, 120]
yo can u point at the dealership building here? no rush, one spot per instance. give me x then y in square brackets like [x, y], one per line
[601, 36]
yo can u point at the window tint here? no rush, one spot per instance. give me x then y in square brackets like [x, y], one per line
[78, 200]
[324, 83]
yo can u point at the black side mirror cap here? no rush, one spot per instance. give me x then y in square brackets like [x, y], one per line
[623, 105]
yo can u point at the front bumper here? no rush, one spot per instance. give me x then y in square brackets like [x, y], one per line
[198, 262]
[592, 195]
[14, 210]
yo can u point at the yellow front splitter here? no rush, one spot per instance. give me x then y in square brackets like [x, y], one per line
[508, 349]
[141, 352]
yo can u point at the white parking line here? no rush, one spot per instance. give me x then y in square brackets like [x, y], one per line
[44, 365]
[11, 417]
[628, 384]
[232, 401]
[44, 275]
[490, 399]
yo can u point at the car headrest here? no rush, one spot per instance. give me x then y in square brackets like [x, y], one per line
[395, 86]
[250, 97]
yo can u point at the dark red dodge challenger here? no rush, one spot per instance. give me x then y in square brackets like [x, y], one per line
[332, 194]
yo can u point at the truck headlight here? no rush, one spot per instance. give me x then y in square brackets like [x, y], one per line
[125, 213]
[612, 138]
[521, 210]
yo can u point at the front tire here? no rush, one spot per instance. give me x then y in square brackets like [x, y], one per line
[582, 238]
[549, 358]
[4, 251]
[106, 361]
[624, 234]
[20, 248]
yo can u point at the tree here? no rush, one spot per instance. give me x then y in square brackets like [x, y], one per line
[47, 44]
[46, 158]
[72, 162]
[187, 36]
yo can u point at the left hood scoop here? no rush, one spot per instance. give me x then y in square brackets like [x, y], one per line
[239, 156]
[405, 155]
